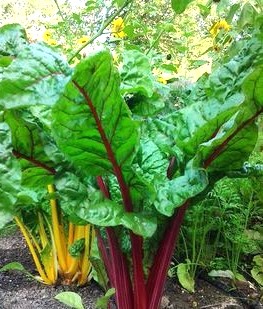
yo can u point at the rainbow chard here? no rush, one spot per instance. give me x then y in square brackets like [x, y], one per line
[133, 168]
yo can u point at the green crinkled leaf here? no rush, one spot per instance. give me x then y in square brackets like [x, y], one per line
[108, 213]
[77, 248]
[151, 160]
[226, 152]
[146, 106]
[36, 76]
[29, 142]
[10, 174]
[92, 124]
[175, 192]
[179, 6]
[218, 99]
[71, 299]
[136, 74]
[141, 190]
[12, 39]
[83, 203]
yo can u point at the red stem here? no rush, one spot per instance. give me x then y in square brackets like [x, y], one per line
[35, 162]
[140, 296]
[163, 256]
[157, 276]
[137, 255]
[119, 274]
[105, 257]
[125, 192]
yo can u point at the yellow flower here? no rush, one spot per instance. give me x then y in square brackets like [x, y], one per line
[52, 42]
[47, 35]
[162, 77]
[219, 25]
[162, 80]
[83, 40]
[117, 28]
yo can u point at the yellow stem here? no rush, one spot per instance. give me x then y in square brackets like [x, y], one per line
[54, 251]
[73, 267]
[71, 234]
[58, 233]
[85, 263]
[42, 232]
[32, 251]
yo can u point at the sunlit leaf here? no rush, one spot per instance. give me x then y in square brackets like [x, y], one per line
[179, 6]
[186, 280]
[70, 299]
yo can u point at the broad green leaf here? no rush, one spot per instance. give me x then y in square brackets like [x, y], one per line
[16, 266]
[151, 160]
[12, 40]
[13, 266]
[177, 191]
[10, 174]
[92, 124]
[71, 299]
[36, 76]
[186, 280]
[102, 302]
[220, 97]
[225, 152]
[29, 142]
[83, 203]
[146, 106]
[136, 74]
[108, 213]
[179, 6]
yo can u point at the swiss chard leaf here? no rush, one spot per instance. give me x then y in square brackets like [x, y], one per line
[136, 74]
[10, 174]
[36, 76]
[92, 124]
[179, 6]
[12, 39]
[29, 141]
[218, 99]
[84, 203]
[177, 191]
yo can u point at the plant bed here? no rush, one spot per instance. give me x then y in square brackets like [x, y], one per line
[20, 292]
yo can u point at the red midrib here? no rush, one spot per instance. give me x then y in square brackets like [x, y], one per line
[116, 168]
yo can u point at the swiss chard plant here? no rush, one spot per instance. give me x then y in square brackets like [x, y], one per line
[60, 248]
[119, 158]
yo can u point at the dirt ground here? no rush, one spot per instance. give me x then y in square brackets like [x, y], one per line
[20, 292]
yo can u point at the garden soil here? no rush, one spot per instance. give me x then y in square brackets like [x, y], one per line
[20, 292]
